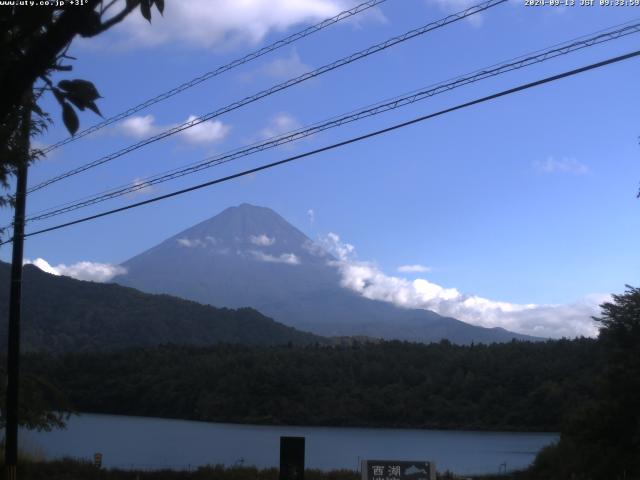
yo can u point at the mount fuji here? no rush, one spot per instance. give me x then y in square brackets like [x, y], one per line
[249, 256]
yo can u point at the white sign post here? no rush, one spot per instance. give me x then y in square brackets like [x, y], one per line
[398, 470]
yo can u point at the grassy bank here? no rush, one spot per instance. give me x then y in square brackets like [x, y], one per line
[73, 469]
[67, 469]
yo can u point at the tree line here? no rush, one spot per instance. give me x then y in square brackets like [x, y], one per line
[512, 386]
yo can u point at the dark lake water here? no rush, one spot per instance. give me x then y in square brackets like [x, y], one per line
[136, 442]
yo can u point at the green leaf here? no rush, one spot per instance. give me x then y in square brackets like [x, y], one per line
[66, 84]
[90, 25]
[70, 118]
[94, 108]
[59, 95]
[145, 9]
[77, 101]
[81, 93]
[82, 88]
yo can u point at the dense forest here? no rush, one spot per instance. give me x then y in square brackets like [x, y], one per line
[513, 386]
[600, 438]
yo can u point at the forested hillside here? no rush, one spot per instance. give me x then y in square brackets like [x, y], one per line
[61, 314]
[517, 385]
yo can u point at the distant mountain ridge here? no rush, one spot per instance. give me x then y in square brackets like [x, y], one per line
[60, 314]
[251, 256]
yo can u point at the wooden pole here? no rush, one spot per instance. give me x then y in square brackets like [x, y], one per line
[15, 300]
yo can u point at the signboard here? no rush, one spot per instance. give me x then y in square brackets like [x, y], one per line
[291, 458]
[97, 459]
[398, 470]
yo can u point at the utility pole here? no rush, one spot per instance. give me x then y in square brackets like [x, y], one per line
[15, 299]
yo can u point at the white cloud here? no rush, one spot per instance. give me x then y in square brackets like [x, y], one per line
[333, 244]
[207, 24]
[279, 124]
[312, 216]
[91, 271]
[139, 126]
[42, 264]
[553, 321]
[314, 249]
[288, 258]
[262, 240]
[564, 165]
[211, 131]
[212, 244]
[286, 67]
[191, 242]
[413, 268]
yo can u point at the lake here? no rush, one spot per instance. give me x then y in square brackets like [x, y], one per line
[137, 442]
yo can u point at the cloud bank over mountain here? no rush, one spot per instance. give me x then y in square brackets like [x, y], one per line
[555, 321]
[90, 271]
[250, 256]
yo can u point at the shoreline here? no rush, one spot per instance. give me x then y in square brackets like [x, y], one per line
[329, 426]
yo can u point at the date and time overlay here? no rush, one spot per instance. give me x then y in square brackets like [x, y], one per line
[526, 3]
[581, 3]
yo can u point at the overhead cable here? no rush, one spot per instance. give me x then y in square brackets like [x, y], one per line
[381, 107]
[333, 146]
[276, 88]
[218, 71]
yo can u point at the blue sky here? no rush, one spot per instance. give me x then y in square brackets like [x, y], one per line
[529, 199]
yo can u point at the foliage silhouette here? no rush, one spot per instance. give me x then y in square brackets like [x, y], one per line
[512, 386]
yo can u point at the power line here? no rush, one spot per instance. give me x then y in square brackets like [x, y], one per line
[218, 71]
[276, 88]
[397, 102]
[597, 37]
[375, 133]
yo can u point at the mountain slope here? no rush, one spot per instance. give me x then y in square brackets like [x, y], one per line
[63, 314]
[251, 256]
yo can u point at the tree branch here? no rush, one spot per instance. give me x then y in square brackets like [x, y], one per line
[41, 56]
[115, 19]
[107, 7]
